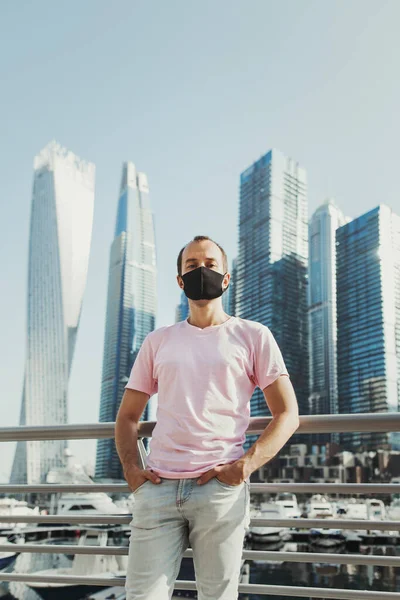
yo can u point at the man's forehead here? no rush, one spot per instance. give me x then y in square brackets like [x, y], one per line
[194, 251]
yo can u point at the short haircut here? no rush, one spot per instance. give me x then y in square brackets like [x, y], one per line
[200, 238]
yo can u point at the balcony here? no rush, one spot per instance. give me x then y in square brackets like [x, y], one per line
[377, 422]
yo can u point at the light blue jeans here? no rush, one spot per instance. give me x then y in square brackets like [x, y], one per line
[170, 516]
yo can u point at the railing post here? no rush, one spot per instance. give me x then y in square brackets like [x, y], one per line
[142, 454]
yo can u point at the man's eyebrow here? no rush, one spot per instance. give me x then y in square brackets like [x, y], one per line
[195, 260]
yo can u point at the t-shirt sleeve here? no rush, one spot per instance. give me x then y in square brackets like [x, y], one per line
[141, 377]
[268, 360]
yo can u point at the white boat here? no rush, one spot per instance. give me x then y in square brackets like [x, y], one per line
[95, 565]
[289, 506]
[10, 507]
[355, 510]
[352, 536]
[268, 510]
[376, 509]
[327, 538]
[88, 503]
[80, 503]
[319, 507]
[281, 547]
[393, 510]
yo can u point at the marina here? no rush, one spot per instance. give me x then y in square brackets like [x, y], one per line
[277, 569]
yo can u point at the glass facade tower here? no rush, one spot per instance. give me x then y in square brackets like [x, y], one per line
[271, 267]
[368, 313]
[59, 245]
[232, 289]
[182, 310]
[131, 305]
[322, 313]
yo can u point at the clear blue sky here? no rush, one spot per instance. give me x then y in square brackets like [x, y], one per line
[192, 92]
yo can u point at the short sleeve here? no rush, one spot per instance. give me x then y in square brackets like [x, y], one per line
[141, 377]
[268, 360]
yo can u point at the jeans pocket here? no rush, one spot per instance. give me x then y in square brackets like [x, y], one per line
[227, 485]
[140, 486]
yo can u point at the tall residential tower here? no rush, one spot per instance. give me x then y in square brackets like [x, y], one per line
[182, 309]
[271, 267]
[323, 397]
[59, 244]
[368, 313]
[131, 304]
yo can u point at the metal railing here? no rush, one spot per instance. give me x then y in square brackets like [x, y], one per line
[376, 422]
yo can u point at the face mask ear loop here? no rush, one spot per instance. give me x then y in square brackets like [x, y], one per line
[228, 283]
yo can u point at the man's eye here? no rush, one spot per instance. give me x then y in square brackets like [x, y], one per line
[211, 265]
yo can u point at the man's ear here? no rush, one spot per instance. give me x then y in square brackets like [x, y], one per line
[228, 283]
[179, 279]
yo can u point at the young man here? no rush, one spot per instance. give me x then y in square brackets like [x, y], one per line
[195, 489]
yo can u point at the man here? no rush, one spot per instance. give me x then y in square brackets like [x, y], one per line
[195, 489]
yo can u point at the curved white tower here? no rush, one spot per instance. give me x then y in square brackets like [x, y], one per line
[59, 245]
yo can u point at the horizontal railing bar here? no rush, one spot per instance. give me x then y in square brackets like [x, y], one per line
[319, 557]
[73, 579]
[273, 488]
[245, 588]
[324, 523]
[70, 519]
[328, 524]
[360, 422]
[343, 423]
[311, 557]
[82, 431]
[329, 488]
[56, 528]
[307, 592]
[39, 488]
[65, 549]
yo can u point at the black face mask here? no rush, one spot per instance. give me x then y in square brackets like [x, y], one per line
[203, 284]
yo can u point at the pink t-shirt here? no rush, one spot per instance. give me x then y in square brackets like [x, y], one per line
[204, 379]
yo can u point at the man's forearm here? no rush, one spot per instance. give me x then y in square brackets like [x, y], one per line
[272, 439]
[126, 438]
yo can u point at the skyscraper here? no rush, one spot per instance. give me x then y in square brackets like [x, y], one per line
[59, 244]
[131, 304]
[271, 279]
[322, 313]
[368, 315]
[232, 289]
[182, 310]
[226, 296]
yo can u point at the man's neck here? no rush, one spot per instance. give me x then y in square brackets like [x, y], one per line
[207, 320]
